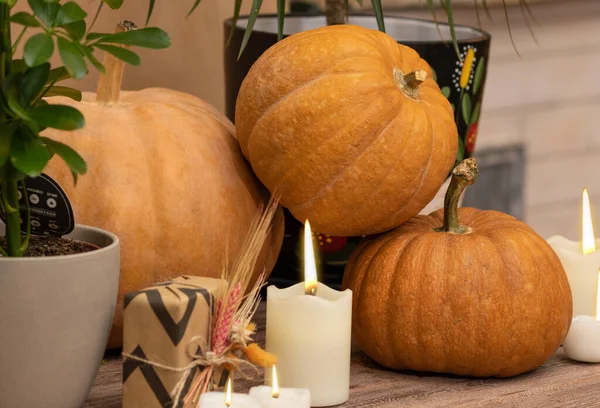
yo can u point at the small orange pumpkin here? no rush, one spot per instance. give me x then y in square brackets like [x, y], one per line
[165, 174]
[487, 297]
[348, 126]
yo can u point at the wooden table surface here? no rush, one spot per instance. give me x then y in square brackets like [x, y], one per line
[559, 383]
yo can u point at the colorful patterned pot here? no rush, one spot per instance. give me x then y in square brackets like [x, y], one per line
[461, 81]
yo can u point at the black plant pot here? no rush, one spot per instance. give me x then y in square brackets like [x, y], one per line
[461, 81]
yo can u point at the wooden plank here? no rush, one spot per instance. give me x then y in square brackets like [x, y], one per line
[560, 383]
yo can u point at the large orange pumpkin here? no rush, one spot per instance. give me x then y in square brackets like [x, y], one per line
[350, 128]
[165, 173]
[486, 297]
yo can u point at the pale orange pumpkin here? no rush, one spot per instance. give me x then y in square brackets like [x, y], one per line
[486, 297]
[165, 174]
[348, 126]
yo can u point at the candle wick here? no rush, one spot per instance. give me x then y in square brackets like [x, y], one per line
[311, 290]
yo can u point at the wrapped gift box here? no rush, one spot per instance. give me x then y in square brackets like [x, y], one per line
[159, 325]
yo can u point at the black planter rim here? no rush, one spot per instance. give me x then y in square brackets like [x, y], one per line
[481, 35]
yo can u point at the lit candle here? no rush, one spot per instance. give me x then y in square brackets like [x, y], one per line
[581, 262]
[227, 399]
[308, 329]
[583, 340]
[275, 397]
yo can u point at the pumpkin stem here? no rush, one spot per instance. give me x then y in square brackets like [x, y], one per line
[463, 175]
[410, 83]
[109, 85]
[335, 12]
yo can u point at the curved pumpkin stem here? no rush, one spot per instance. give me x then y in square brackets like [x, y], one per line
[109, 85]
[463, 175]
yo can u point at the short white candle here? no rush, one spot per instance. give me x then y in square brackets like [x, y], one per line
[288, 397]
[583, 340]
[310, 335]
[275, 397]
[581, 262]
[227, 399]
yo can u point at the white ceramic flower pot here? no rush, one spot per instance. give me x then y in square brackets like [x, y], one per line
[55, 316]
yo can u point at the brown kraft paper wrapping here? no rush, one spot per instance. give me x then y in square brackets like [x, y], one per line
[159, 323]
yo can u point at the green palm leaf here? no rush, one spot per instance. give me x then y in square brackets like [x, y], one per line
[256, 5]
[378, 14]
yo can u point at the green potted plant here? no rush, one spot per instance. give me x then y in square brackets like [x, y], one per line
[58, 293]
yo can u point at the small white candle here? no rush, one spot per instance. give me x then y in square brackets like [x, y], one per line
[581, 262]
[227, 399]
[583, 340]
[275, 397]
[309, 329]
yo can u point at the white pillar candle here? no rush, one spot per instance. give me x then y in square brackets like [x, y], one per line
[310, 335]
[288, 397]
[581, 262]
[309, 329]
[582, 271]
[227, 399]
[583, 341]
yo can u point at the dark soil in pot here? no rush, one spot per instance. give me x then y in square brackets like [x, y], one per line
[54, 246]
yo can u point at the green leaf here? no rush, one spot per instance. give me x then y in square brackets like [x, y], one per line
[58, 117]
[466, 108]
[10, 90]
[280, 18]
[70, 156]
[452, 29]
[28, 154]
[113, 4]
[72, 93]
[360, 2]
[479, 71]
[487, 10]
[149, 37]
[476, 112]
[33, 83]
[45, 10]
[446, 91]
[196, 4]
[70, 12]
[89, 52]
[510, 34]
[38, 49]
[95, 36]
[379, 14]
[236, 16]
[57, 75]
[123, 54]
[18, 65]
[150, 10]
[256, 5]
[25, 19]
[76, 30]
[6, 134]
[72, 57]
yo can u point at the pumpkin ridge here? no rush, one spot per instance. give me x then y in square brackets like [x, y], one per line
[421, 184]
[289, 170]
[375, 188]
[322, 191]
[366, 277]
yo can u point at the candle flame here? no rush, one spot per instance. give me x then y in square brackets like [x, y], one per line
[598, 298]
[310, 266]
[228, 393]
[275, 383]
[588, 240]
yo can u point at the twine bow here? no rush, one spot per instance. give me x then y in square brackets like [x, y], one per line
[208, 359]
